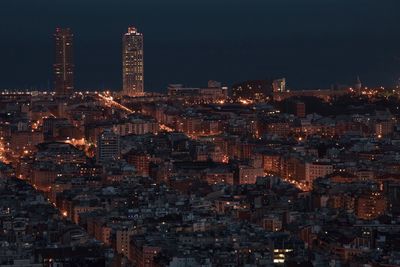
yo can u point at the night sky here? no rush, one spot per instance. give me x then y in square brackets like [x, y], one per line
[313, 43]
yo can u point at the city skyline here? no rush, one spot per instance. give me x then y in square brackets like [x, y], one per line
[201, 133]
[238, 42]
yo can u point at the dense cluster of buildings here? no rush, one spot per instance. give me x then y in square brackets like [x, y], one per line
[34, 233]
[178, 183]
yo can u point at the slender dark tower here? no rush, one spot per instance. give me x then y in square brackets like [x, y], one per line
[64, 64]
[132, 63]
[358, 85]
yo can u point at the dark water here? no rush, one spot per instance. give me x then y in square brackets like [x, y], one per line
[313, 43]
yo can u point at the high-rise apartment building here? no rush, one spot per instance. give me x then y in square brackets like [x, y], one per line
[300, 109]
[64, 64]
[279, 85]
[132, 63]
[108, 146]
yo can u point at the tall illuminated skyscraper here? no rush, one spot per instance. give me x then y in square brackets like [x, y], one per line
[132, 63]
[64, 64]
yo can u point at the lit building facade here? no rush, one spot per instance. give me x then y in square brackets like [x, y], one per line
[214, 92]
[63, 66]
[108, 146]
[257, 90]
[132, 63]
[279, 85]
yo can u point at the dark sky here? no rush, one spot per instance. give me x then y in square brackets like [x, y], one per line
[313, 43]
